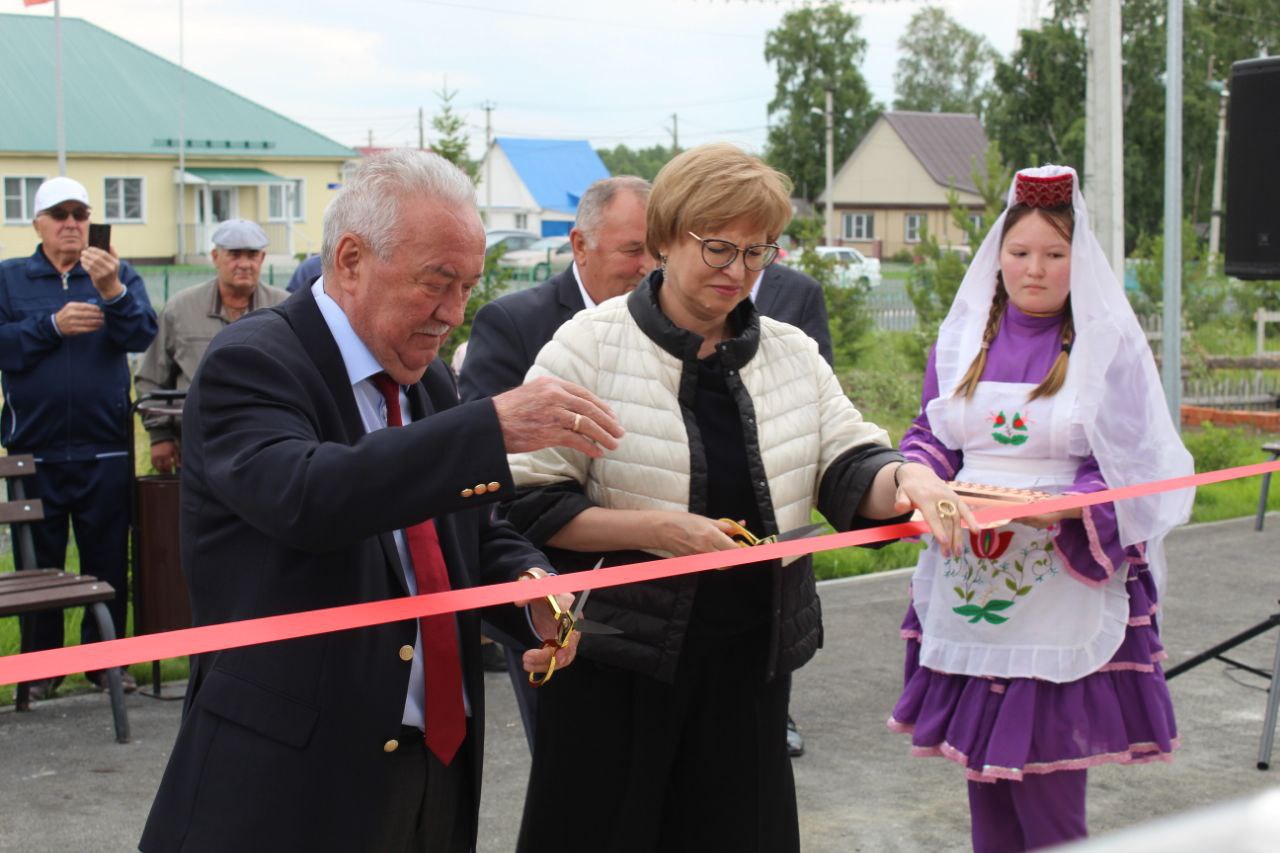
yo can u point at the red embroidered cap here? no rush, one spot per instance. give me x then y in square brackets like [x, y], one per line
[1035, 191]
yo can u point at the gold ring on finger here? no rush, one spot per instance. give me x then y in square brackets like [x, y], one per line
[946, 508]
[577, 419]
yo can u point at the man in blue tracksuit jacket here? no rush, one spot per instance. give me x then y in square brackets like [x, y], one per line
[68, 316]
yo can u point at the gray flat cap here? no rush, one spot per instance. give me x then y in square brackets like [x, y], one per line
[240, 234]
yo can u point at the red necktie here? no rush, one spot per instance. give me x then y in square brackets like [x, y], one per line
[446, 722]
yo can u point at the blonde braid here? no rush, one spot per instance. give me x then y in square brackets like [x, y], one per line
[1052, 382]
[969, 382]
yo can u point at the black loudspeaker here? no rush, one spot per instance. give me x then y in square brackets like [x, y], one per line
[1253, 174]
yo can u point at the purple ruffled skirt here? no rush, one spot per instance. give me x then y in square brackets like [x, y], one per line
[1001, 728]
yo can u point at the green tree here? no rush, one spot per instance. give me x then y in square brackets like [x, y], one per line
[935, 277]
[815, 49]
[943, 67]
[451, 143]
[641, 162]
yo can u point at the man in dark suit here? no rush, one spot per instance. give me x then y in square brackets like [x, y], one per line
[328, 461]
[790, 296]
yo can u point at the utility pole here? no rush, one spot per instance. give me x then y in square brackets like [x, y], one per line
[1172, 337]
[488, 107]
[1104, 132]
[370, 137]
[831, 124]
[1215, 215]
[675, 134]
[422, 139]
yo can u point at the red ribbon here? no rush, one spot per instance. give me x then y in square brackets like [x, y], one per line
[33, 666]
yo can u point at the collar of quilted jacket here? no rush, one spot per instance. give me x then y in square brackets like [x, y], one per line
[683, 344]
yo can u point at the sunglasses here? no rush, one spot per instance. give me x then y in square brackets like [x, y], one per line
[60, 214]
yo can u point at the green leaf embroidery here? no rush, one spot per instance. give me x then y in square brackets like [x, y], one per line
[1009, 583]
[1023, 590]
[967, 610]
[1004, 439]
[959, 592]
[994, 619]
[999, 604]
[1020, 438]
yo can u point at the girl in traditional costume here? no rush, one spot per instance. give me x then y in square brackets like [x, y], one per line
[1034, 654]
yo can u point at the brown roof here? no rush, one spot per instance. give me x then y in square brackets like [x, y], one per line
[948, 145]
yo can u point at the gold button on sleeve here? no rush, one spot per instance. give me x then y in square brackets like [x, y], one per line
[466, 493]
[494, 486]
[391, 745]
[406, 653]
[481, 488]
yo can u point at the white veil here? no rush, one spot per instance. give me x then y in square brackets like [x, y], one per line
[1121, 405]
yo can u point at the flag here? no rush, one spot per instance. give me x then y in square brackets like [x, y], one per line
[34, 2]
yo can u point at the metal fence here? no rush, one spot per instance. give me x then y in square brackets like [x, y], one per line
[164, 281]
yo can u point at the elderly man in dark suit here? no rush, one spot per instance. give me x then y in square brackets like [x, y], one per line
[328, 461]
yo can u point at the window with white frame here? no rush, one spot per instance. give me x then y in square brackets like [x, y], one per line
[522, 220]
[913, 225]
[276, 201]
[123, 200]
[20, 198]
[859, 226]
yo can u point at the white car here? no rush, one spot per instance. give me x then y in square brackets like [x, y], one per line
[852, 267]
[541, 260]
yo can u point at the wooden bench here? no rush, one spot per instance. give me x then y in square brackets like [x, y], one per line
[33, 590]
[1274, 449]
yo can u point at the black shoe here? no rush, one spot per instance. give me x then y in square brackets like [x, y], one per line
[44, 689]
[98, 678]
[493, 658]
[795, 743]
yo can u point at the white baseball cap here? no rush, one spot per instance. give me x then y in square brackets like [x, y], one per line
[55, 191]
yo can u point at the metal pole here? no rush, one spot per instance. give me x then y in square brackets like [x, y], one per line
[1215, 218]
[182, 140]
[1104, 132]
[488, 164]
[1172, 338]
[59, 108]
[831, 217]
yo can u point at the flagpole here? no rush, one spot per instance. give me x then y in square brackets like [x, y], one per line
[57, 84]
[182, 142]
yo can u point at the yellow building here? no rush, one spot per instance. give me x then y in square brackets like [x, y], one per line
[895, 182]
[122, 109]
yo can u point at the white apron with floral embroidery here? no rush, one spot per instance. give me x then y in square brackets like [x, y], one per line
[1007, 607]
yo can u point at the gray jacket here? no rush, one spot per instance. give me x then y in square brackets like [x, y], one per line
[188, 323]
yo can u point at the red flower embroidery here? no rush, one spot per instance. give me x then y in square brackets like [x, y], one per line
[1018, 422]
[999, 421]
[988, 544]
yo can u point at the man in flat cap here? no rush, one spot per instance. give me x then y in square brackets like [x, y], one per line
[190, 319]
[69, 315]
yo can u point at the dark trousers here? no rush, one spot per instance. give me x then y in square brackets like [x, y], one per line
[94, 498]
[1040, 811]
[700, 764]
[430, 806]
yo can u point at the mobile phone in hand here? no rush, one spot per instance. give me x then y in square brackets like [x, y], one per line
[100, 236]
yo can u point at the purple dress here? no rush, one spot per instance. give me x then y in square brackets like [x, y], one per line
[1001, 728]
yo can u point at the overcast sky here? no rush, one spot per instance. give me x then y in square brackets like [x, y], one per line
[611, 71]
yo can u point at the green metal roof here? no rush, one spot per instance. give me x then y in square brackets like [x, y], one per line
[121, 99]
[237, 177]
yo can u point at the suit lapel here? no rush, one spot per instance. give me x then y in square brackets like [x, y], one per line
[568, 295]
[768, 292]
[308, 323]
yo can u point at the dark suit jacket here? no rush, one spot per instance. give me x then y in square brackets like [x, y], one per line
[288, 505]
[792, 297]
[507, 333]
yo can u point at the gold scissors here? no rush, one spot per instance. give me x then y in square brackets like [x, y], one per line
[566, 623]
[746, 539]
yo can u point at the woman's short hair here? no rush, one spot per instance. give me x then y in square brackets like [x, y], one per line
[710, 186]
[369, 204]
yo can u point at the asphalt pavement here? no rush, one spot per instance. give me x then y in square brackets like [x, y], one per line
[66, 785]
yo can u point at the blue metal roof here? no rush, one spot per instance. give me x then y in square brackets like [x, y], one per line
[556, 171]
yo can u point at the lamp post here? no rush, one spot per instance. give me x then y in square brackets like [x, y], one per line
[1172, 339]
[1215, 218]
[829, 115]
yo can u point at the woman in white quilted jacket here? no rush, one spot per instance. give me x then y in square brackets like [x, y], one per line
[671, 735]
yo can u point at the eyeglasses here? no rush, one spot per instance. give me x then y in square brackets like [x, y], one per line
[719, 254]
[60, 214]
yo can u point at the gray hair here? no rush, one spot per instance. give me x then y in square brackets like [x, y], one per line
[369, 204]
[596, 200]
